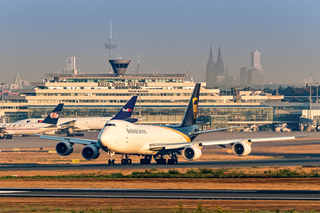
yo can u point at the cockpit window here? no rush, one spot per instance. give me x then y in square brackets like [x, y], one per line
[110, 125]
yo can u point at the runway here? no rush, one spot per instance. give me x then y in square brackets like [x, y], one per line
[287, 159]
[164, 194]
[194, 164]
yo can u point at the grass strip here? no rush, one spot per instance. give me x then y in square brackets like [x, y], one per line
[192, 173]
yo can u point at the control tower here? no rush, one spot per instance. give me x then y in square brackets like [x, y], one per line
[119, 66]
[109, 45]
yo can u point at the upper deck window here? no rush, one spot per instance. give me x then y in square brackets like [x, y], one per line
[110, 124]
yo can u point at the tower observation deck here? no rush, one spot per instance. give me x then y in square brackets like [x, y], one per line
[119, 66]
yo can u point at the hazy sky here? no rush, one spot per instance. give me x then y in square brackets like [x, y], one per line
[36, 36]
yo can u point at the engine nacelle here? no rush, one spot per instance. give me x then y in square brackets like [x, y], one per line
[64, 148]
[90, 152]
[191, 153]
[241, 149]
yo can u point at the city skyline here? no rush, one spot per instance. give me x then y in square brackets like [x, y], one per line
[38, 36]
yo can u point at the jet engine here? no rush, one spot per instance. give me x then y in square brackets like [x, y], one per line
[241, 148]
[90, 152]
[191, 153]
[64, 148]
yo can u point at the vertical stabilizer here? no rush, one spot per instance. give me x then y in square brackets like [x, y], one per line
[53, 117]
[126, 111]
[190, 115]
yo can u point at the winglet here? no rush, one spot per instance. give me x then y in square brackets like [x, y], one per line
[127, 110]
[53, 117]
[190, 115]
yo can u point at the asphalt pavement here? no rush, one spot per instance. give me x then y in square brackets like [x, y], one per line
[193, 164]
[164, 194]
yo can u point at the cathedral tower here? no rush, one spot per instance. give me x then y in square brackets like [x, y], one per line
[219, 68]
[210, 71]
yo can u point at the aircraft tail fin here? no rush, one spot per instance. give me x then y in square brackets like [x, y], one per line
[190, 115]
[127, 110]
[53, 117]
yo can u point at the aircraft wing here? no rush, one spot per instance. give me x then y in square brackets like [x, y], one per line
[69, 139]
[68, 124]
[214, 130]
[180, 146]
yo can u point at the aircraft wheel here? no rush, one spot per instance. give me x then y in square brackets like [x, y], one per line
[124, 161]
[129, 161]
[113, 161]
[175, 161]
[142, 161]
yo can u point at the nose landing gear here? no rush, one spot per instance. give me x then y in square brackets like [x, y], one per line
[111, 161]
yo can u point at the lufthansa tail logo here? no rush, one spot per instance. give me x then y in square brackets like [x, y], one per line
[195, 107]
[54, 115]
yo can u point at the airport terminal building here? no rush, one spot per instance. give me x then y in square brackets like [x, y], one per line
[162, 99]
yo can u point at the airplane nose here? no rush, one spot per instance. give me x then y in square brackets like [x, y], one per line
[105, 138]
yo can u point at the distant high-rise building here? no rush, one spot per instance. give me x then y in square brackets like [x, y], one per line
[244, 75]
[255, 60]
[252, 75]
[71, 65]
[255, 77]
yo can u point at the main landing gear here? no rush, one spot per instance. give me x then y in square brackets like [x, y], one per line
[172, 161]
[111, 161]
[126, 160]
[161, 160]
[146, 159]
[6, 137]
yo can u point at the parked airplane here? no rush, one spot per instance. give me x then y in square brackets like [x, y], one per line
[48, 124]
[121, 137]
[76, 125]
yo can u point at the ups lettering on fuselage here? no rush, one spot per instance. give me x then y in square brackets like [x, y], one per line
[136, 131]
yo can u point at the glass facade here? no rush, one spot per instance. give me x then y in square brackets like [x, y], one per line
[209, 117]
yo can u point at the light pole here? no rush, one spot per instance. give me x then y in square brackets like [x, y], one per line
[1, 96]
[317, 90]
[310, 102]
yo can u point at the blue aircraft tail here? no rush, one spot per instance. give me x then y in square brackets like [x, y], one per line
[53, 117]
[190, 115]
[127, 110]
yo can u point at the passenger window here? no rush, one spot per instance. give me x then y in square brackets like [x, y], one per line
[110, 125]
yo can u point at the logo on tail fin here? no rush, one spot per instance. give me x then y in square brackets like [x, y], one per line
[195, 107]
[127, 110]
[54, 115]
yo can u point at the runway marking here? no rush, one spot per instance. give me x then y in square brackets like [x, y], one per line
[9, 192]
